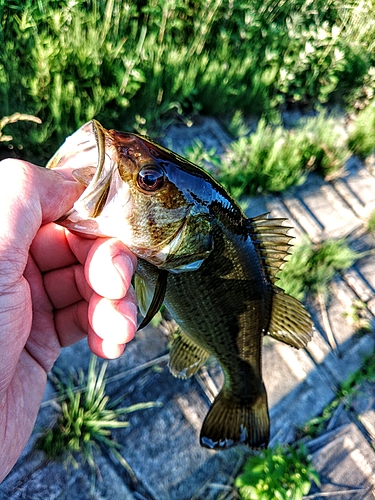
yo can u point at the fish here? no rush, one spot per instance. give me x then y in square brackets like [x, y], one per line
[214, 269]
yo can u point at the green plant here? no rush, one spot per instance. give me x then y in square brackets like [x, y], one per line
[325, 147]
[86, 419]
[311, 267]
[371, 222]
[277, 474]
[357, 315]
[141, 64]
[198, 154]
[361, 140]
[269, 160]
[273, 159]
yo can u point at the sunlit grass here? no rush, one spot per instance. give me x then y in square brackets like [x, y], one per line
[86, 419]
[311, 267]
[283, 472]
[141, 65]
[272, 159]
[361, 139]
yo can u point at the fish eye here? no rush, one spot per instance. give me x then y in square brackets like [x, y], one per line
[150, 178]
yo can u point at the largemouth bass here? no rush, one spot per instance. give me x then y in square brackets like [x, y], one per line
[214, 268]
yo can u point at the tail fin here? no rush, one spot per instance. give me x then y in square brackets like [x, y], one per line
[231, 422]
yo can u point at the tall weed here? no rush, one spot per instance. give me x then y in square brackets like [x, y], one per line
[273, 159]
[361, 139]
[137, 65]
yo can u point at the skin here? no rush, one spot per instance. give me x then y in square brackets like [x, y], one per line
[55, 289]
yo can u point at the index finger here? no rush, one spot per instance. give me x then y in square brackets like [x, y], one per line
[50, 248]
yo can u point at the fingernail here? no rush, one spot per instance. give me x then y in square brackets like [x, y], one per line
[129, 310]
[111, 350]
[124, 265]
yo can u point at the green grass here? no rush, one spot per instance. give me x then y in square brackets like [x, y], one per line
[281, 473]
[311, 267]
[357, 316]
[361, 139]
[272, 159]
[86, 419]
[371, 222]
[139, 65]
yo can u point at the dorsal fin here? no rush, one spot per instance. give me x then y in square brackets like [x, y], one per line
[271, 242]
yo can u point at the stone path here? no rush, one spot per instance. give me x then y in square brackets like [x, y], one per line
[161, 444]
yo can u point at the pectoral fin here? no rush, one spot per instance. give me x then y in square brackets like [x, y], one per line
[186, 356]
[157, 299]
[290, 322]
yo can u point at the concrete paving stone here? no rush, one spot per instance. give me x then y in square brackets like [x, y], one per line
[108, 486]
[366, 269]
[320, 210]
[256, 206]
[345, 463]
[371, 306]
[363, 404]
[214, 484]
[304, 217]
[300, 405]
[277, 208]
[163, 450]
[284, 369]
[162, 444]
[148, 343]
[356, 185]
[342, 367]
[333, 314]
[356, 281]
[50, 480]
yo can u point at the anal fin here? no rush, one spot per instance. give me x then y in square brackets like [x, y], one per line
[290, 322]
[186, 356]
[231, 421]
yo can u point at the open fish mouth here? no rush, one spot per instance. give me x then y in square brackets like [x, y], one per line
[87, 148]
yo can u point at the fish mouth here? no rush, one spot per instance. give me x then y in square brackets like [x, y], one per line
[87, 147]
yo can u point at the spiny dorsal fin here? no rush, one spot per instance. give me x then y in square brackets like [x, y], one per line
[186, 356]
[271, 242]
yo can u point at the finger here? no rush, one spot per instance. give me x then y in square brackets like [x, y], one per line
[114, 321]
[72, 323]
[79, 245]
[67, 286]
[109, 268]
[104, 348]
[57, 194]
[50, 248]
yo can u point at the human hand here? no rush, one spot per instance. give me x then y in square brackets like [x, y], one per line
[55, 288]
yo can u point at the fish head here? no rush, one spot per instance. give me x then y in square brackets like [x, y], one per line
[154, 201]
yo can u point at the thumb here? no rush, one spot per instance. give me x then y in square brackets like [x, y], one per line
[29, 197]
